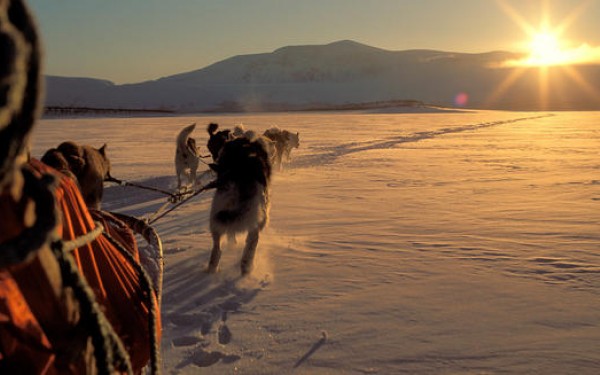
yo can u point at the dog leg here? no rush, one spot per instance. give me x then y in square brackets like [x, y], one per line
[193, 177]
[249, 251]
[215, 255]
[280, 153]
[288, 155]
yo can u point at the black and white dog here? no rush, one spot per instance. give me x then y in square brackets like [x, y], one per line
[241, 201]
[217, 139]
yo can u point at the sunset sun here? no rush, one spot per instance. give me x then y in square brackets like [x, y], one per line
[550, 51]
[547, 43]
[545, 49]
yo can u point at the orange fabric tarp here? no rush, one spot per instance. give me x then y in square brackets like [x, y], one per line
[113, 279]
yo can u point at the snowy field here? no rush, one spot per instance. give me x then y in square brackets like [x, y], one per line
[441, 243]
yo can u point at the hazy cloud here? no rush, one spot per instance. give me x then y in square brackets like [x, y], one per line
[584, 54]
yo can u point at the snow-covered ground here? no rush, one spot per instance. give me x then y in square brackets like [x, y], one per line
[441, 243]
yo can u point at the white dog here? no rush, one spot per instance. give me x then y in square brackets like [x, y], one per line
[186, 157]
[283, 142]
[241, 202]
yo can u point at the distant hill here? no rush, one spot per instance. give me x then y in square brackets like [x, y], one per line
[337, 74]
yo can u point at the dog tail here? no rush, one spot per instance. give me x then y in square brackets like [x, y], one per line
[184, 134]
[212, 128]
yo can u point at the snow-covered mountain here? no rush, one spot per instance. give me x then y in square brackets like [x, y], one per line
[317, 76]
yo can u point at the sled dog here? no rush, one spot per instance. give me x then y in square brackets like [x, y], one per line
[186, 157]
[87, 165]
[283, 142]
[241, 201]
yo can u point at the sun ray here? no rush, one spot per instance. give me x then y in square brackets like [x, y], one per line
[547, 42]
[554, 56]
[506, 84]
[585, 85]
[545, 21]
[543, 84]
[516, 17]
[571, 17]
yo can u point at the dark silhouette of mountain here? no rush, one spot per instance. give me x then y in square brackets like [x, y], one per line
[336, 74]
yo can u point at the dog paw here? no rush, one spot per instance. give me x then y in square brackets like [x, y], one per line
[246, 272]
[246, 268]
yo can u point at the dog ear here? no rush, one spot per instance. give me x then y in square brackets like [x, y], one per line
[102, 150]
[212, 128]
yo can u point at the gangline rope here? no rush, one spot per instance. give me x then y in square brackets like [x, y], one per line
[177, 199]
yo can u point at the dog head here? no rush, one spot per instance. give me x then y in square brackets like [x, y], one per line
[101, 161]
[293, 139]
[243, 160]
[217, 139]
[89, 166]
[68, 158]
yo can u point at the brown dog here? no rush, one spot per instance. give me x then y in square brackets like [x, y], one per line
[88, 165]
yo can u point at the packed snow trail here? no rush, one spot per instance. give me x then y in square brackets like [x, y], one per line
[330, 156]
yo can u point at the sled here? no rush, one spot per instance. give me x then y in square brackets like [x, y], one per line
[77, 295]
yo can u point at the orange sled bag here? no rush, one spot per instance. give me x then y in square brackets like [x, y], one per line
[83, 311]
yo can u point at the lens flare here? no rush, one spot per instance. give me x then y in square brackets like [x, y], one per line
[461, 99]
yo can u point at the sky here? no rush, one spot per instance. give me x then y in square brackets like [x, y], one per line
[127, 41]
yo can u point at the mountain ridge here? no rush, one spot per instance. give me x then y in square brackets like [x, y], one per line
[334, 74]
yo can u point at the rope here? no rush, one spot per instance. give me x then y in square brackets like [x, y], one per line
[150, 220]
[174, 197]
[209, 186]
[83, 239]
[201, 157]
